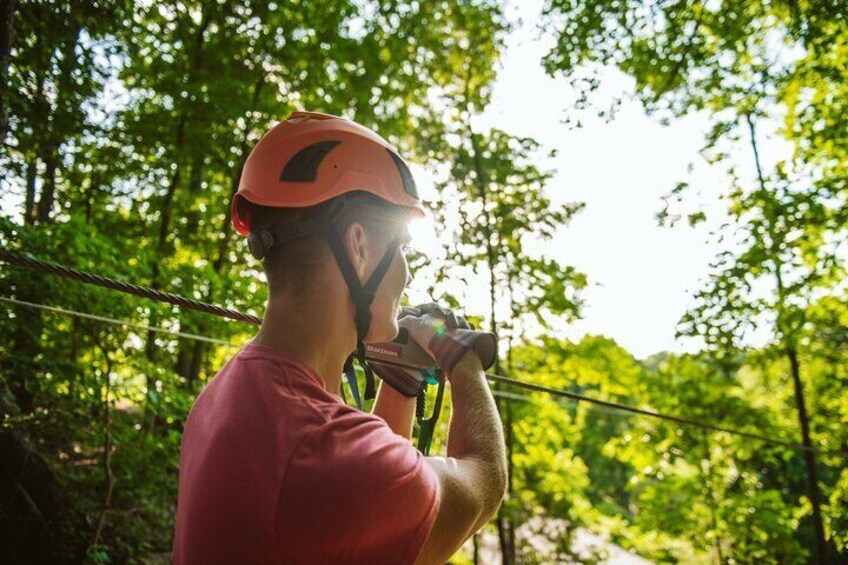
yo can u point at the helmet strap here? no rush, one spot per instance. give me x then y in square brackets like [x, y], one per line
[261, 241]
[362, 295]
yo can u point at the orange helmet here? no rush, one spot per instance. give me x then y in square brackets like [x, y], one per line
[310, 158]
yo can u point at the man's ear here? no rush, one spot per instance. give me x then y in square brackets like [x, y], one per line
[356, 245]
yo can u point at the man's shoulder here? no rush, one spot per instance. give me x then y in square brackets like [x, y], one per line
[271, 370]
[276, 363]
[260, 384]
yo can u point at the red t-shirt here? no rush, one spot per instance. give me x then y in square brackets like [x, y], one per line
[275, 469]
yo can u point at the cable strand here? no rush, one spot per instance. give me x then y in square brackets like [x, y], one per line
[635, 410]
[20, 260]
[114, 322]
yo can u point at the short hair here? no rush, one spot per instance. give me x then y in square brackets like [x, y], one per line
[292, 267]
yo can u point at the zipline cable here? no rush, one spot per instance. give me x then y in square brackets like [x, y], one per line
[643, 411]
[20, 260]
[115, 322]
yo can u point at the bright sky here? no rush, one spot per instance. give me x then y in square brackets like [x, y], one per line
[641, 275]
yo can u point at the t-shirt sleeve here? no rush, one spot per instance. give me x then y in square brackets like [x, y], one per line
[355, 492]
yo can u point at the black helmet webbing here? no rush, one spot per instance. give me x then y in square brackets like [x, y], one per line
[361, 294]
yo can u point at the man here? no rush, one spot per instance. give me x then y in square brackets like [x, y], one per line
[274, 467]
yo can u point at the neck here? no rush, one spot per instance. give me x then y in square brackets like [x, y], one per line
[317, 331]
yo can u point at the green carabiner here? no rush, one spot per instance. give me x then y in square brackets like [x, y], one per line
[427, 426]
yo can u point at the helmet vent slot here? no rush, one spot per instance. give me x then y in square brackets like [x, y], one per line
[306, 117]
[303, 167]
[405, 174]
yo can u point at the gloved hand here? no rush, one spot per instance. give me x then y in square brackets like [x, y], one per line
[451, 319]
[447, 337]
[408, 381]
[444, 336]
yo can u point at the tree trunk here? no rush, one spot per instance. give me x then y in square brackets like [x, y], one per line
[29, 201]
[50, 156]
[787, 339]
[48, 185]
[195, 365]
[809, 454]
[707, 474]
[7, 30]
[164, 228]
[150, 348]
[505, 533]
[90, 195]
[196, 63]
[106, 422]
[506, 527]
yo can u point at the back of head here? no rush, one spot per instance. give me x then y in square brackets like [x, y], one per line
[294, 268]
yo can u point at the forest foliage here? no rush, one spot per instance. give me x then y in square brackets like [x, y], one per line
[123, 129]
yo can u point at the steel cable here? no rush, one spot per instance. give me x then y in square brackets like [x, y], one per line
[113, 321]
[21, 260]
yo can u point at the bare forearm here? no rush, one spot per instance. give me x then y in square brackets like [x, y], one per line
[475, 427]
[396, 409]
